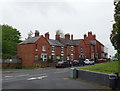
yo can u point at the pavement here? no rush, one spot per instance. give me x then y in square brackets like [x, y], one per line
[44, 78]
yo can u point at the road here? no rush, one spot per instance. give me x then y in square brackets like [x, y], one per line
[44, 78]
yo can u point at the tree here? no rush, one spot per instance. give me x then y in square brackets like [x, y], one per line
[115, 35]
[60, 33]
[30, 34]
[117, 56]
[10, 39]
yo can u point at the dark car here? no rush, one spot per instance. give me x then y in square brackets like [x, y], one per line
[81, 62]
[75, 62]
[63, 64]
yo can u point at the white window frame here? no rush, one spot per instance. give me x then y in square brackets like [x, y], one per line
[62, 49]
[43, 56]
[53, 48]
[43, 48]
[36, 47]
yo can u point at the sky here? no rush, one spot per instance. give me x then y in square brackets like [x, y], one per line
[76, 17]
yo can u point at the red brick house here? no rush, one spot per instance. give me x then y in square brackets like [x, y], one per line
[32, 49]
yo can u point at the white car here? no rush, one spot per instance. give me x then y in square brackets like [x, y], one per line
[89, 61]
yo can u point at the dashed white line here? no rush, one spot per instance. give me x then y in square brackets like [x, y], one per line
[8, 76]
[38, 75]
[22, 75]
[16, 76]
[33, 78]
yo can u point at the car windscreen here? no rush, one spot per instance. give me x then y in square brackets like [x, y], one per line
[91, 59]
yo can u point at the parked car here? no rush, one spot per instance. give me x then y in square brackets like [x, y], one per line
[89, 61]
[115, 59]
[81, 62]
[75, 63]
[101, 60]
[63, 64]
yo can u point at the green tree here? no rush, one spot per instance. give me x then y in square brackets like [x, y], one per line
[60, 33]
[10, 39]
[115, 35]
[117, 56]
[30, 34]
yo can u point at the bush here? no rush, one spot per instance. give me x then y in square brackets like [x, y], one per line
[41, 59]
[50, 61]
[59, 59]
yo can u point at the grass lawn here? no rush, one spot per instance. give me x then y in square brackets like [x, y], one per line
[109, 67]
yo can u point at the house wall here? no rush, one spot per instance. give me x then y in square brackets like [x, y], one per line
[26, 54]
[42, 41]
[98, 48]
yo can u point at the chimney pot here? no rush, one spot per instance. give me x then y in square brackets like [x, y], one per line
[67, 36]
[85, 36]
[36, 33]
[72, 37]
[47, 35]
[57, 36]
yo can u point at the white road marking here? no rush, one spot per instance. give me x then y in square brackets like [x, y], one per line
[16, 76]
[22, 75]
[37, 75]
[8, 76]
[6, 71]
[41, 77]
[33, 78]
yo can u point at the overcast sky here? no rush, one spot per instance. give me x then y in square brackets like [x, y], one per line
[76, 17]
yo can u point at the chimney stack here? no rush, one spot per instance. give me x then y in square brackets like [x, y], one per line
[85, 36]
[57, 36]
[94, 36]
[47, 35]
[36, 33]
[67, 36]
[72, 37]
[89, 34]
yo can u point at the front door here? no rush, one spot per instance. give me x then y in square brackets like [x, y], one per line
[44, 56]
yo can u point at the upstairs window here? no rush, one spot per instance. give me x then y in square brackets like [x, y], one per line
[53, 48]
[72, 48]
[36, 47]
[43, 48]
[81, 48]
[62, 49]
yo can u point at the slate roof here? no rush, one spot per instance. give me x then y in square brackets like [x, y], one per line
[71, 42]
[54, 42]
[30, 40]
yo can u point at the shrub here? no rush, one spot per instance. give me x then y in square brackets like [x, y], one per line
[59, 59]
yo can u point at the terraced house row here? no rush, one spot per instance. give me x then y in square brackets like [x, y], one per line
[67, 48]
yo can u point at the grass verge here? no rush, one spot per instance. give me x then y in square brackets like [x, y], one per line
[109, 67]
